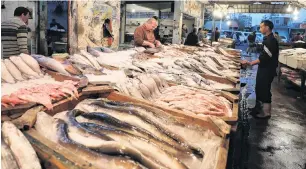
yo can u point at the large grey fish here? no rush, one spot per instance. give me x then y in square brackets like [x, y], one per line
[144, 146]
[13, 70]
[102, 161]
[8, 160]
[23, 151]
[51, 63]
[92, 60]
[141, 111]
[110, 147]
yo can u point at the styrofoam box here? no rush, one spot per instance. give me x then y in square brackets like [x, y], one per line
[296, 62]
[283, 58]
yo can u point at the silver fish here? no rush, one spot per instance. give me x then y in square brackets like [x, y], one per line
[23, 67]
[20, 146]
[13, 70]
[5, 74]
[51, 63]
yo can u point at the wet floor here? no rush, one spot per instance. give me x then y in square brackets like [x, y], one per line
[279, 143]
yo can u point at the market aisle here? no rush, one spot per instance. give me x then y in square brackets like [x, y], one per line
[280, 143]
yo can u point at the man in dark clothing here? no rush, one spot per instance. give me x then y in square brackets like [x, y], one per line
[192, 38]
[267, 64]
[217, 34]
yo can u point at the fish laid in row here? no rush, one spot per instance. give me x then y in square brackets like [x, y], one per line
[115, 131]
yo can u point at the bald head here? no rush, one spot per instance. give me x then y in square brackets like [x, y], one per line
[151, 24]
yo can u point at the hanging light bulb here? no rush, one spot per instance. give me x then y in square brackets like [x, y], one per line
[227, 17]
[228, 23]
[296, 12]
[289, 9]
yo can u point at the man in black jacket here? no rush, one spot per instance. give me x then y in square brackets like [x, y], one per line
[267, 64]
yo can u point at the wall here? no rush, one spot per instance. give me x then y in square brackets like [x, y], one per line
[8, 13]
[87, 20]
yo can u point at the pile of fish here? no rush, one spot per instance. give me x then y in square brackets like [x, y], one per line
[86, 63]
[192, 100]
[111, 134]
[20, 68]
[42, 93]
[154, 88]
[16, 150]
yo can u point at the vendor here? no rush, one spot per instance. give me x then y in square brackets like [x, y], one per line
[144, 35]
[267, 64]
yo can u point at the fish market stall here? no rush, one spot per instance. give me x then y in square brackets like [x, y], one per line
[141, 109]
[292, 65]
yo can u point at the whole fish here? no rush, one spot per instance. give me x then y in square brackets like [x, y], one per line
[70, 68]
[82, 59]
[92, 60]
[13, 70]
[85, 69]
[51, 63]
[57, 131]
[23, 67]
[97, 159]
[93, 51]
[144, 146]
[91, 140]
[69, 117]
[23, 151]
[8, 160]
[154, 126]
[31, 62]
[5, 74]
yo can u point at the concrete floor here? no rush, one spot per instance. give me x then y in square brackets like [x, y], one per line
[280, 143]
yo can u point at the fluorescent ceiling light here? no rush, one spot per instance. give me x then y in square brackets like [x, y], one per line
[296, 12]
[133, 10]
[289, 9]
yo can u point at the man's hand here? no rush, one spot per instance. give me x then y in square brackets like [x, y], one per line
[151, 45]
[158, 44]
[243, 62]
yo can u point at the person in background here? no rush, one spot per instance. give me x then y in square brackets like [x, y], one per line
[107, 32]
[192, 38]
[267, 64]
[277, 37]
[144, 35]
[14, 33]
[297, 37]
[166, 32]
[56, 25]
[156, 31]
[252, 45]
[184, 33]
[217, 34]
[201, 35]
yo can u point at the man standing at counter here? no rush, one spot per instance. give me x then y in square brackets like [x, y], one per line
[267, 64]
[144, 34]
[14, 33]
